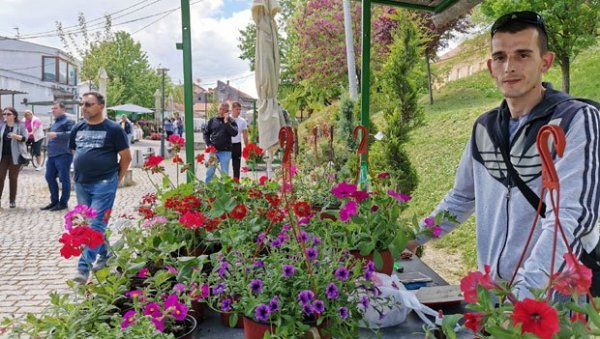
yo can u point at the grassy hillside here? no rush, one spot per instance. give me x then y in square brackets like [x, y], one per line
[435, 148]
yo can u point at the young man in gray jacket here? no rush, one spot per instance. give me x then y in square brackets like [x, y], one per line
[484, 186]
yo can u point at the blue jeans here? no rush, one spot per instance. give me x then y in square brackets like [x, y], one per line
[223, 157]
[59, 166]
[100, 196]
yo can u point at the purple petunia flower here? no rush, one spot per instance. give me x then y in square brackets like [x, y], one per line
[348, 211]
[220, 288]
[256, 286]
[399, 196]
[318, 306]
[274, 304]
[343, 311]
[305, 296]
[312, 253]
[261, 237]
[341, 273]
[288, 270]
[331, 291]
[364, 302]
[285, 228]
[369, 269]
[262, 312]
[223, 269]
[308, 309]
[128, 319]
[302, 236]
[316, 240]
[258, 264]
[226, 304]
[343, 190]
[276, 243]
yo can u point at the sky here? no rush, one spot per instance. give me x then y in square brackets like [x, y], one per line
[155, 24]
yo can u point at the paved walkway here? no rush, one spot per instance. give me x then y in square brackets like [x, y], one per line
[30, 263]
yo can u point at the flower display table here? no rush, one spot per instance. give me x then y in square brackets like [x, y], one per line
[411, 328]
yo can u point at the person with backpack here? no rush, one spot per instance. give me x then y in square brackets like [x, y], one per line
[499, 176]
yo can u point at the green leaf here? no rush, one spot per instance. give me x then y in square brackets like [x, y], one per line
[378, 259]
[366, 248]
[233, 319]
[166, 182]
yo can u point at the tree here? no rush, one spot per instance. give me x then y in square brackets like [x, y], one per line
[130, 77]
[571, 24]
[70, 36]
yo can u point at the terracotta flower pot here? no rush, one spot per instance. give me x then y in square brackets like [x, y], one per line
[255, 330]
[225, 320]
[386, 255]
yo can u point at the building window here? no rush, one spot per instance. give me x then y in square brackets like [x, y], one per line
[55, 69]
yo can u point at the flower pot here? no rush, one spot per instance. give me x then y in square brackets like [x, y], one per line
[386, 255]
[225, 320]
[255, 330]
[197, 311]
[188, 328]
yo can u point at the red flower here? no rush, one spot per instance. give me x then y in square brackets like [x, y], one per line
[254, 193]
[192, 219]
[274, 200]
[262, 180]
[210, 149]
[106, 216]
[252, 152]
[245, 169]
[576, 316]
[76, 238]
[468, 284]
[200, 158]
[212, 224]
[177, 141]
[536, 317]
[473, 321]
[71, 246]
[177, 159]
[275, 215]
[172, 202]
[153, 161]
[577, 278]
[238, 212]
[302, 209]
[147, 212]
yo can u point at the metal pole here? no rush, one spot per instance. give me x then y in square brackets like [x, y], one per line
[350, 52]
[162, 111]
[186, 46]
[255, 122]
[365, 81]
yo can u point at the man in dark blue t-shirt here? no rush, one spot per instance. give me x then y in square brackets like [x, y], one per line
[101, 160]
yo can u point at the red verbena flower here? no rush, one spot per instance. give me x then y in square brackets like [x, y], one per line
[239, 212]
[536, 317]
[275, 215]
[473, 321]
[273, 199]
[576, 278]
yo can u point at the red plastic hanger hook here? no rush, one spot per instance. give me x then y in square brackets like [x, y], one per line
[362, 146]
[286, 141]
[549, 176]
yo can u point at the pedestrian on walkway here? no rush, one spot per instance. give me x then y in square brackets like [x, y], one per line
[102, 157]
[218, 133]
[127, 127]
[236, 142]
[36, 135]
[13, 133]
[59, 160]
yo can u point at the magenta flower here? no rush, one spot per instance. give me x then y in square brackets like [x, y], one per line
[348, 211]
[436, 231]
[343, 190]
[78, 215]
[143, 273]
[262, 312]
[360, 195]
[175, 308]
[288, 270]
[153, 310]
[399, 196]
[159, 324]
[134, 293]
[128, 319]
[342, 273]
[429, 221]
[171, 269]
[179, 287]
[383, 175]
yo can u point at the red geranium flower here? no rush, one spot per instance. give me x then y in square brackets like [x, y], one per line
[262, 180]
[576, 278]
[200, 158]
[147, 212]
[536, 317]
[255, 193]
[274, 200]
[302, 209]
[212, 224]
[252, 152]
[88, 237]
[71, 246]
[473, 321]
[238, 212]
[192, 219]
[177, 159]
[275, 215]
[177, 141]
[210, 149]
[468, 284]
[153, 162]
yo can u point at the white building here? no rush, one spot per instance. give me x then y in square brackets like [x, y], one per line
[33, 76]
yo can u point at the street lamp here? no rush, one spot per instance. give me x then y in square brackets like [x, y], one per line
[162, 110]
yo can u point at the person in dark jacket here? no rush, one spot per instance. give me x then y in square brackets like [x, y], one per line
[218, 133]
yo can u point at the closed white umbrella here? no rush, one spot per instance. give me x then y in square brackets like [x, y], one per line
[270, 115]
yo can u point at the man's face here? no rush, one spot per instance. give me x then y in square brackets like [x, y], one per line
[223, 110]
[57, 111]
[91, 108]
[235, 112]
[516, 63]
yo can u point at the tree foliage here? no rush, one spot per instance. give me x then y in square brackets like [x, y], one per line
[130, 77]
[572, 25]
[80, 39]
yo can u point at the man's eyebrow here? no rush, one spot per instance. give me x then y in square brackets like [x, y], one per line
[525, 50]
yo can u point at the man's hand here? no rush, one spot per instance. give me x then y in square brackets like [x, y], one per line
[51, 135]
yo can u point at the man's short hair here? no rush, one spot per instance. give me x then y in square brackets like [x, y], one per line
[224, 104]
[518, 21]
[99, 97]
[236, 104]
[60, 104]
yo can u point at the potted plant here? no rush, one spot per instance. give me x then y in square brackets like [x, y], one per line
[314, 187]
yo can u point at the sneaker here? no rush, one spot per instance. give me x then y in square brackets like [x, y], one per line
[81, 277]
[13, 204]
[58, 207]
[99, 264]
[48, 207]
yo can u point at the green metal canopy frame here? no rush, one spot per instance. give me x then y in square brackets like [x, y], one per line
[444, 10]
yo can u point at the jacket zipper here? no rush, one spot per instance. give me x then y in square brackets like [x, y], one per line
[506, 235]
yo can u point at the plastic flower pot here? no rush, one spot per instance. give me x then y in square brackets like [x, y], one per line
[189, 326]
[255, 330]
[197, 311]
[386, 255]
